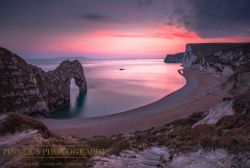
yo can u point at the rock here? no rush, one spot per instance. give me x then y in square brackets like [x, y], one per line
[217, 112]
[27, 89]
[156, 156]
[239, 82]
[217, 58]
[27, 135]
[165, 159]
[174, 58]
[210, 159]
[148, 158]
[241, 104]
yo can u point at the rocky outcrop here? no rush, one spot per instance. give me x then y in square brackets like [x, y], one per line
[217, 112]
[25, 88]
[210, 159]
[149, 157]
[174, 58]
[239, 86]
[155, 157]
[218, 58]
[239, 82]
[33, 141]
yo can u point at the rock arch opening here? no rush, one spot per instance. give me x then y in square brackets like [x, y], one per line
[74, 92]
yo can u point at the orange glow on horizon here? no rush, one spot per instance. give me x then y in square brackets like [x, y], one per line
[152, 42]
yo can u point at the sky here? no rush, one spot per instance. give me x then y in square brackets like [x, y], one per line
[119, 28]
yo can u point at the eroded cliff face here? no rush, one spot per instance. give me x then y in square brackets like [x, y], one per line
[239, 82]
[27, 89]
[217, 58]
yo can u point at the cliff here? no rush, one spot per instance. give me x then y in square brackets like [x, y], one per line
[27, 89]
[239, 82]
[218, 58]
[174, 58]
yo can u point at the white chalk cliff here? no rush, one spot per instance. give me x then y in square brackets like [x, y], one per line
[217, 58]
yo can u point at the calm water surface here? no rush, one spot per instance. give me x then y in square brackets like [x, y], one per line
[111, 90]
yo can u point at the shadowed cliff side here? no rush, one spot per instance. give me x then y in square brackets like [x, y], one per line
[239, 82]
[174, 58]
[25, 88]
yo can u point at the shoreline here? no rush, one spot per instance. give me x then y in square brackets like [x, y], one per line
[200, 92]
[180, 71]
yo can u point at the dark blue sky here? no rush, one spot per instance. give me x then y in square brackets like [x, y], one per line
[118, 28]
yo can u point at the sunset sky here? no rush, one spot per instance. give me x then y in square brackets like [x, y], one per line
[119, 28]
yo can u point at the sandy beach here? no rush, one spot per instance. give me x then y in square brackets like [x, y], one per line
[200, 93]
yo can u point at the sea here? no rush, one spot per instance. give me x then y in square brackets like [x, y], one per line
[116, 86]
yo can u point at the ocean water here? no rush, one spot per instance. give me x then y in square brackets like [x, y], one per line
[112, 90]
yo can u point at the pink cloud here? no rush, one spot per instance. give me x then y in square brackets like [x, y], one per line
[147, 42]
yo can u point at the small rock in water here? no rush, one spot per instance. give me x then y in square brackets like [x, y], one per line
[121, 69]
